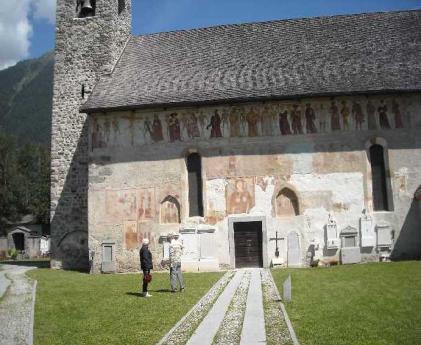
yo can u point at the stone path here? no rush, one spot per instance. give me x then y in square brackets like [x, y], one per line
[253, 331]
[238, 315]
[16, 305]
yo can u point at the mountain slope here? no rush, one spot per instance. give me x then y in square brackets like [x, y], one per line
[26, 98]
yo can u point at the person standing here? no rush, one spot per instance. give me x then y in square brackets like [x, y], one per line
[176, 250]
[146, 265]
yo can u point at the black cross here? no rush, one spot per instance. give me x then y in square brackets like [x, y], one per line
[277, 239]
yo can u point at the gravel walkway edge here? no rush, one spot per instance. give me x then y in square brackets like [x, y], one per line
[284, 311]
[201, 307]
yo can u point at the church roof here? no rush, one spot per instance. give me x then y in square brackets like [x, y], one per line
[347, 54]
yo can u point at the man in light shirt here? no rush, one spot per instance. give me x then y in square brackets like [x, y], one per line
[176, 251]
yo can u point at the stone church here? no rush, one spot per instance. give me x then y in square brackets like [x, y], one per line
[289, 142]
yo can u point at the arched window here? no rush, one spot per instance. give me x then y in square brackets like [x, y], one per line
[121, 6]
[170, 210]
[194, 170]
[378, 172]
[287, 203]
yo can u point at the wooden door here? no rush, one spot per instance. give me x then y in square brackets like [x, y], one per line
[248, 244]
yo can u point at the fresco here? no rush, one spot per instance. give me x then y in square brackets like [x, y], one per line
[170, 211]
[130, 235]
[146, 204]
[120, 204]
[281, 118]
[286, 203]
[240, 195]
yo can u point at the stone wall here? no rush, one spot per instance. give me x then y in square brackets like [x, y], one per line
[86, 49]
[291, 163]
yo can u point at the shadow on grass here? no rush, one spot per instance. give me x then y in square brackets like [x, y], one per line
[139, 294]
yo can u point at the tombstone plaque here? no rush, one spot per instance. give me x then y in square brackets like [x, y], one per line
[293, 249]
[287, 289]
[367, 230]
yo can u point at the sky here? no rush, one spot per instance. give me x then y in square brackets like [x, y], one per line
[27, 26]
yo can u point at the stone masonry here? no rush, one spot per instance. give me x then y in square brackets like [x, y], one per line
[86, 49]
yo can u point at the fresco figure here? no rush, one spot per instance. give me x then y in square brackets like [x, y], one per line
[225, 122]
[284, 123]
[322, 119]
[345, 115]
[297, 127]
[116, 129]
[252, 121]
[107, 129]
[243, 122]
[202, 122]
[335, 123]
[397, 113]
[266, 120]
[371, 115]
[383, 119]
[240, 200]
[174, 131]
[215, 125]
[147, 129]
[234, 119]
[310, 118]
[192, 126]
[357, 111]
[156, 131]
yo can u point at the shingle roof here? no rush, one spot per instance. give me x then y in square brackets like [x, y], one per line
[364, 53]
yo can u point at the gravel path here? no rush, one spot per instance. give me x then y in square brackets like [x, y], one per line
[230, 331]
[208, 328]
[253, 331]
[16, 306]
[183, 330]
[276, 328]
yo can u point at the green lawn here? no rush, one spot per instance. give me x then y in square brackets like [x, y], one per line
[75, 308]
[360, 304]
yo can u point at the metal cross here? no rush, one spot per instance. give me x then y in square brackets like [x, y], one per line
[276, 241]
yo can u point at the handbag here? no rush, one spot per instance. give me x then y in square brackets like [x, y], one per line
[147, 278]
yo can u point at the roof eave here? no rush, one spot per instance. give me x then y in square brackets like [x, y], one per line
[232, 100]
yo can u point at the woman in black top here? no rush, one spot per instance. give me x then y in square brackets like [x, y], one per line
[146, 265]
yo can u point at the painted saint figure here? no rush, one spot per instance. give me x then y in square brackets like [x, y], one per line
[310, 118]
[252, 121]
[234, 119]
[225, 121]
[266, 120]
[398, 115]
[240, 200]
[174, 131]
[357, 111]
[192, 126]
[202, 122]
[156, 132]
[297, 127]
[383, 119]
[215, 125]
[345, 115]
[371, 115]
[335, 123]
[284, 123]
[322, 118]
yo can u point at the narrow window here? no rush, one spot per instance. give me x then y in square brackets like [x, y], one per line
[194, 169]
[121, 6]
[378, 171]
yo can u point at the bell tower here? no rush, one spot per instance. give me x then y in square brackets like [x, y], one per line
[90, 37]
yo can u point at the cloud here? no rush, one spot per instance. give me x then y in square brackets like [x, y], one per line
[15, 31]
[16, 28]
[45, 9]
